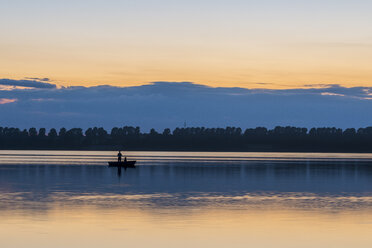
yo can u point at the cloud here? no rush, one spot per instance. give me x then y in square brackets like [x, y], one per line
[36, 83]
[321, 85]
[169, 104]
[38, 79]
[331, 94]
[5, 100]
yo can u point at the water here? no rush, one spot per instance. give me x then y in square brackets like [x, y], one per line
[185, 199]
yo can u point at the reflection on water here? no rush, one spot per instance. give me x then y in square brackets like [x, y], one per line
[71, 199]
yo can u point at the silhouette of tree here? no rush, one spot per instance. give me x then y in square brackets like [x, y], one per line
[153, 132]
[32, 132]
[166, 132]
[192, 138]
[52, 133]
[42, 132]
[62, 132]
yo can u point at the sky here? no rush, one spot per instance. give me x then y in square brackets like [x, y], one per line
[159, 64]
[272, 44]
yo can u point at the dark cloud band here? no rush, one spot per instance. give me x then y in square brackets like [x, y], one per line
[39, 84]
[170, 104]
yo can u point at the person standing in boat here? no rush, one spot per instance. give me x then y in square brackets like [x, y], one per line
[119, 156]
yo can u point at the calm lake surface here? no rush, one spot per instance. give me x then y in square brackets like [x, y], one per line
[185, 199]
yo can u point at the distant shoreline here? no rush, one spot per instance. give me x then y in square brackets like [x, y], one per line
[192, 139]
[184, 150]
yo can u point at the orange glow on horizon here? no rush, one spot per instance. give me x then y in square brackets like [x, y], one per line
[295, 45]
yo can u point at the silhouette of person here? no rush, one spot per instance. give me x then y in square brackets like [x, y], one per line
[119, 156]
[125, 159]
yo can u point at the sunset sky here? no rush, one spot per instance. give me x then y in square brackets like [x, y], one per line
[237, 43]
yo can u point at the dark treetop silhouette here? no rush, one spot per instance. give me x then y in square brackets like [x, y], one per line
[193, 138]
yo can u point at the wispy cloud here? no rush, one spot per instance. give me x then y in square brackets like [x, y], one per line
[35, 83]
[331, 94]
[6, 100]
[38, 79]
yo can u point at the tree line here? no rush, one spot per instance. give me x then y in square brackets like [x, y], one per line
[327, 139]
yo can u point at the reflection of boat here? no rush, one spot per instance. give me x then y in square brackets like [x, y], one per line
[128, 164]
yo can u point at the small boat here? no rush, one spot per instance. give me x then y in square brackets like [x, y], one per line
[128, 164]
